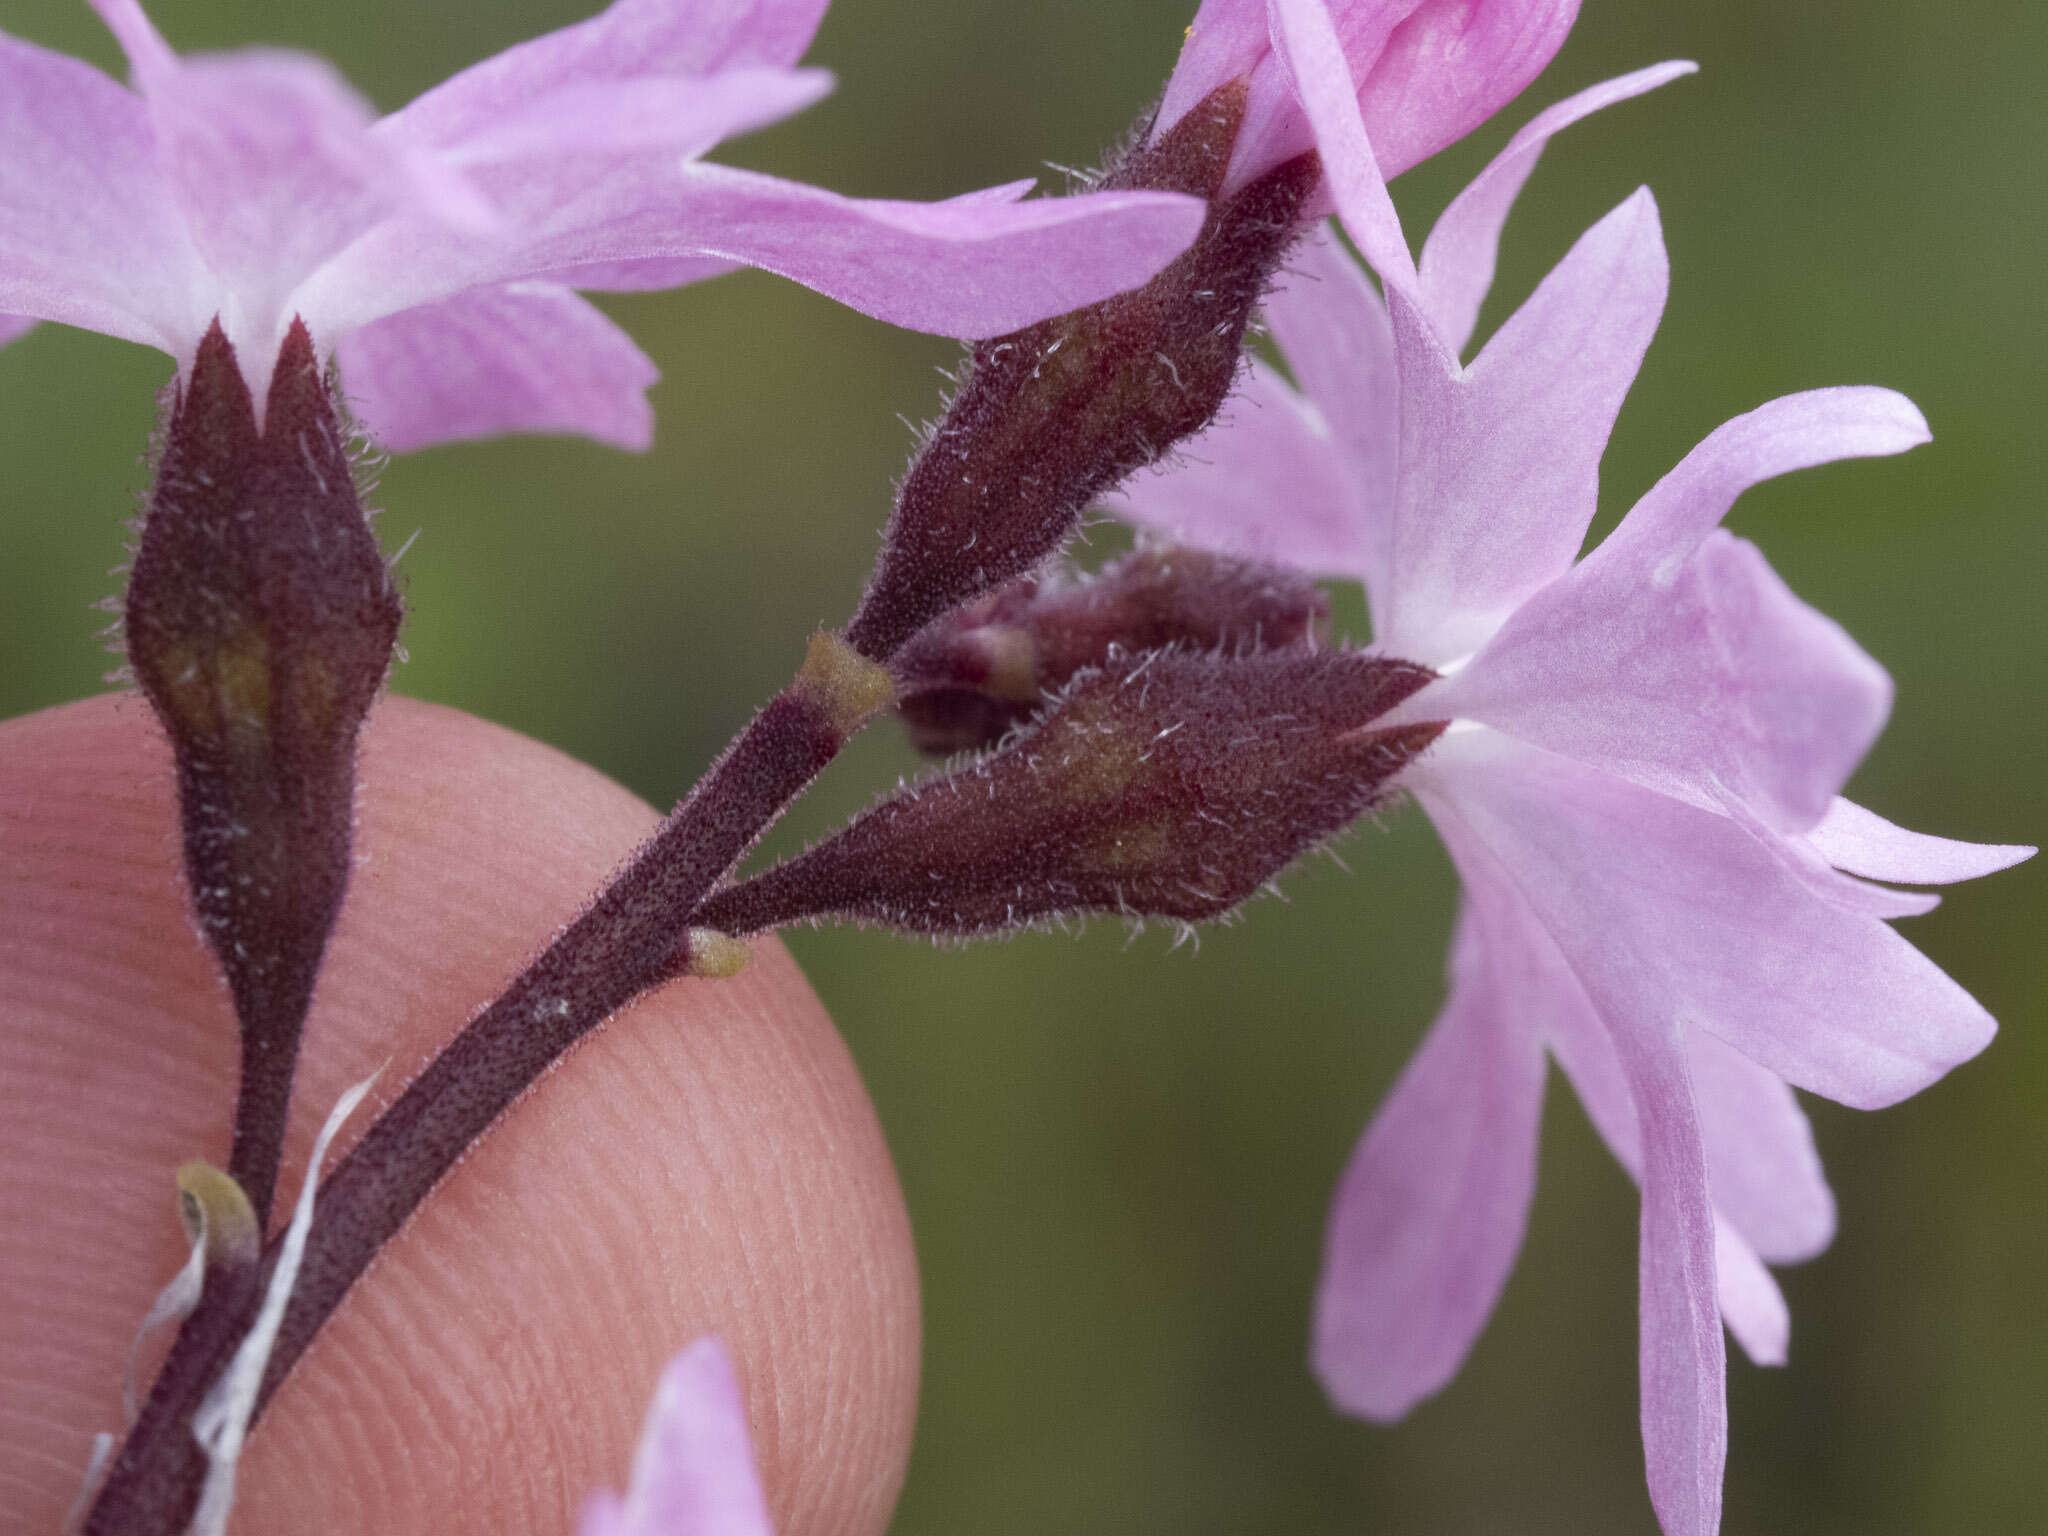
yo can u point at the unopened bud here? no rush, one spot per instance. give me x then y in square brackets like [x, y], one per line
[259, 621]
[969, 678]
[1169, 785]
[1049, 418]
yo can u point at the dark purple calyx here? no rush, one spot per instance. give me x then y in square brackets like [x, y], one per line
[1173, 784]
[1048, 418]
[259, 620]
[967, 679]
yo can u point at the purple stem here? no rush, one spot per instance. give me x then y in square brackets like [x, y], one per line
[632, 938]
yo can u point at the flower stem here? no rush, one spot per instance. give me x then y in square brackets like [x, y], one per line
[633, 938]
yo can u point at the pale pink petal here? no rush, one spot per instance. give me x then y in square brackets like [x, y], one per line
[1751, 1304]
[1333, 330]
[1761, 1162]
[149, 56]
[1629, 1067]
[1792, 432]
[974, 266]
[1668, 912]
[1500, 461]
[89, 234]
[1630, 1072]
[272, 162]
[1684, 1364]
[645, 276]
[13, 326]
[1457, 263]
[1274, 128]
[631, 39]
[528, 357]
[1708, 681]
[1450, 66]
[1306, 42]
[1430, 1212]
[1749, 1125]
[1422, 73]
[1848, 892]
[1225, 40]
[684, 116]
[1266, 481]
[1864, 843]
[1674, 654]
[693, 1473]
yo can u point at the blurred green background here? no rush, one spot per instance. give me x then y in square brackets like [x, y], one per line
[1117, 1159]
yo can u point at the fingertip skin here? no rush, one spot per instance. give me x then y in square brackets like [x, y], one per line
[708, 1162]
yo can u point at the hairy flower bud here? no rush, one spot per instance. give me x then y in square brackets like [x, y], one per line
[1048, 418]
[259, 620]
[1173, 784]
[967, 679]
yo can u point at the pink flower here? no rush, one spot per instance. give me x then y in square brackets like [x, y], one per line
[1425, 72]
[1640, 786]
[437, 251]
[693, 1474]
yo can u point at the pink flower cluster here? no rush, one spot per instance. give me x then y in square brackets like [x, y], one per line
[437, 252]
[1640, 782]
[1664, 890]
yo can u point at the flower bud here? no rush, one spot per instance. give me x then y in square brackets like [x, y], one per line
[1174, 784]
[968, 678]
[1047, 419]
[259, 620]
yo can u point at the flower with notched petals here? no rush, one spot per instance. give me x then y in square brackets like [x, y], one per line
[437, 252]
[1639, 785]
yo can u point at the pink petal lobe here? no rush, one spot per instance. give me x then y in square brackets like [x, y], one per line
[526, 357]
[1338, 343]
[1709, 681]
[275, 169]
[1500, 461]
[1265, 481]
[974, 266]
[1630, 1072]
[1761, 1161]
[631, 39]
[14, 326]
[645, 276]
[1674, 655]
[1752, 1130]
[1751, 1304]
[1668, 912]
[683, 116]
[1306, 41]
[89, 233]
[1684, 1364]
[1225, 40]
[1456, 269]
[149, 57]
[1789, 433]
[1450, 66]
[1275, 128]
[693, 1473]
[1864, 843]
[1431, 1210]
[1797, 855]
